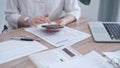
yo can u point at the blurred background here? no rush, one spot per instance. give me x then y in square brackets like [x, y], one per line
[2, 14]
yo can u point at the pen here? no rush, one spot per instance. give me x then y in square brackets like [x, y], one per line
[23, 39]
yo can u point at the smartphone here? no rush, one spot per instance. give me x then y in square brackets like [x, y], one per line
[52, 26]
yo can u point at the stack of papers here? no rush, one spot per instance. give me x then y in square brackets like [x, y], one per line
[90, 60]
[51, 59]
[13, 49]
[66, 36]
[113, 56]
[58, 55]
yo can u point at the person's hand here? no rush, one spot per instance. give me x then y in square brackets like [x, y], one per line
[61, 22]
[65, 20]
[34, 21]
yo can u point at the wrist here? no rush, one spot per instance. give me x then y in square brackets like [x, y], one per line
[27, 20]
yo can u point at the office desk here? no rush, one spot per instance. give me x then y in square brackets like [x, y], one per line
[83, 47]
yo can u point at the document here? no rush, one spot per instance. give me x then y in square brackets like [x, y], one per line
[113, 56]
[66, 36]
[14, 49]
[91, 60]
[62, 54]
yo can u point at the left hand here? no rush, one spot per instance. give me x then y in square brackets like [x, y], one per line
[61, 22]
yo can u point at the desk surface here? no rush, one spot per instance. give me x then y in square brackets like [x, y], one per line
[83, 47]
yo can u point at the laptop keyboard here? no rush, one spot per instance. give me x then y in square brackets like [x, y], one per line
[113, 30]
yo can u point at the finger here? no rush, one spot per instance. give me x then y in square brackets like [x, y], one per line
[39, 22]
[47, 19]
[61, 24]
[46, 15]
[41, 19]
[44, 19]
[58, 23]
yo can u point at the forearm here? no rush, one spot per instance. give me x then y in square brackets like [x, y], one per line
[72, 8]
[68, 19]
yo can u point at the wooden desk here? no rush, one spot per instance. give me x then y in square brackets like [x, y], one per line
[82, 47]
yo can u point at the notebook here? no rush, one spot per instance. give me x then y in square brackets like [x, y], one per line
[105, 31]
[90, 60]
[52, 59]
[58, 55]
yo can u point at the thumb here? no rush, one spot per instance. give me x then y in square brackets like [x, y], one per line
[46, 15]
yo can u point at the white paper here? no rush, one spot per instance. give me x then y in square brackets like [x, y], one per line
[91, 60]
[97, 60]
[42, 60]
[114, 56]
[14, 49]
[66, 36]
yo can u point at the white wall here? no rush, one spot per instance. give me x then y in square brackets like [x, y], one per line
[2, 13]
[90, 11]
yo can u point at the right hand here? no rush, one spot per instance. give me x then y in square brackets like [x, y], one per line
[34, 21]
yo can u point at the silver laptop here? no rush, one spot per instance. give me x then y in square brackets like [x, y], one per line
[105, 31]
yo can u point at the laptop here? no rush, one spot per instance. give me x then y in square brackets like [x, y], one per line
[105, 31]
